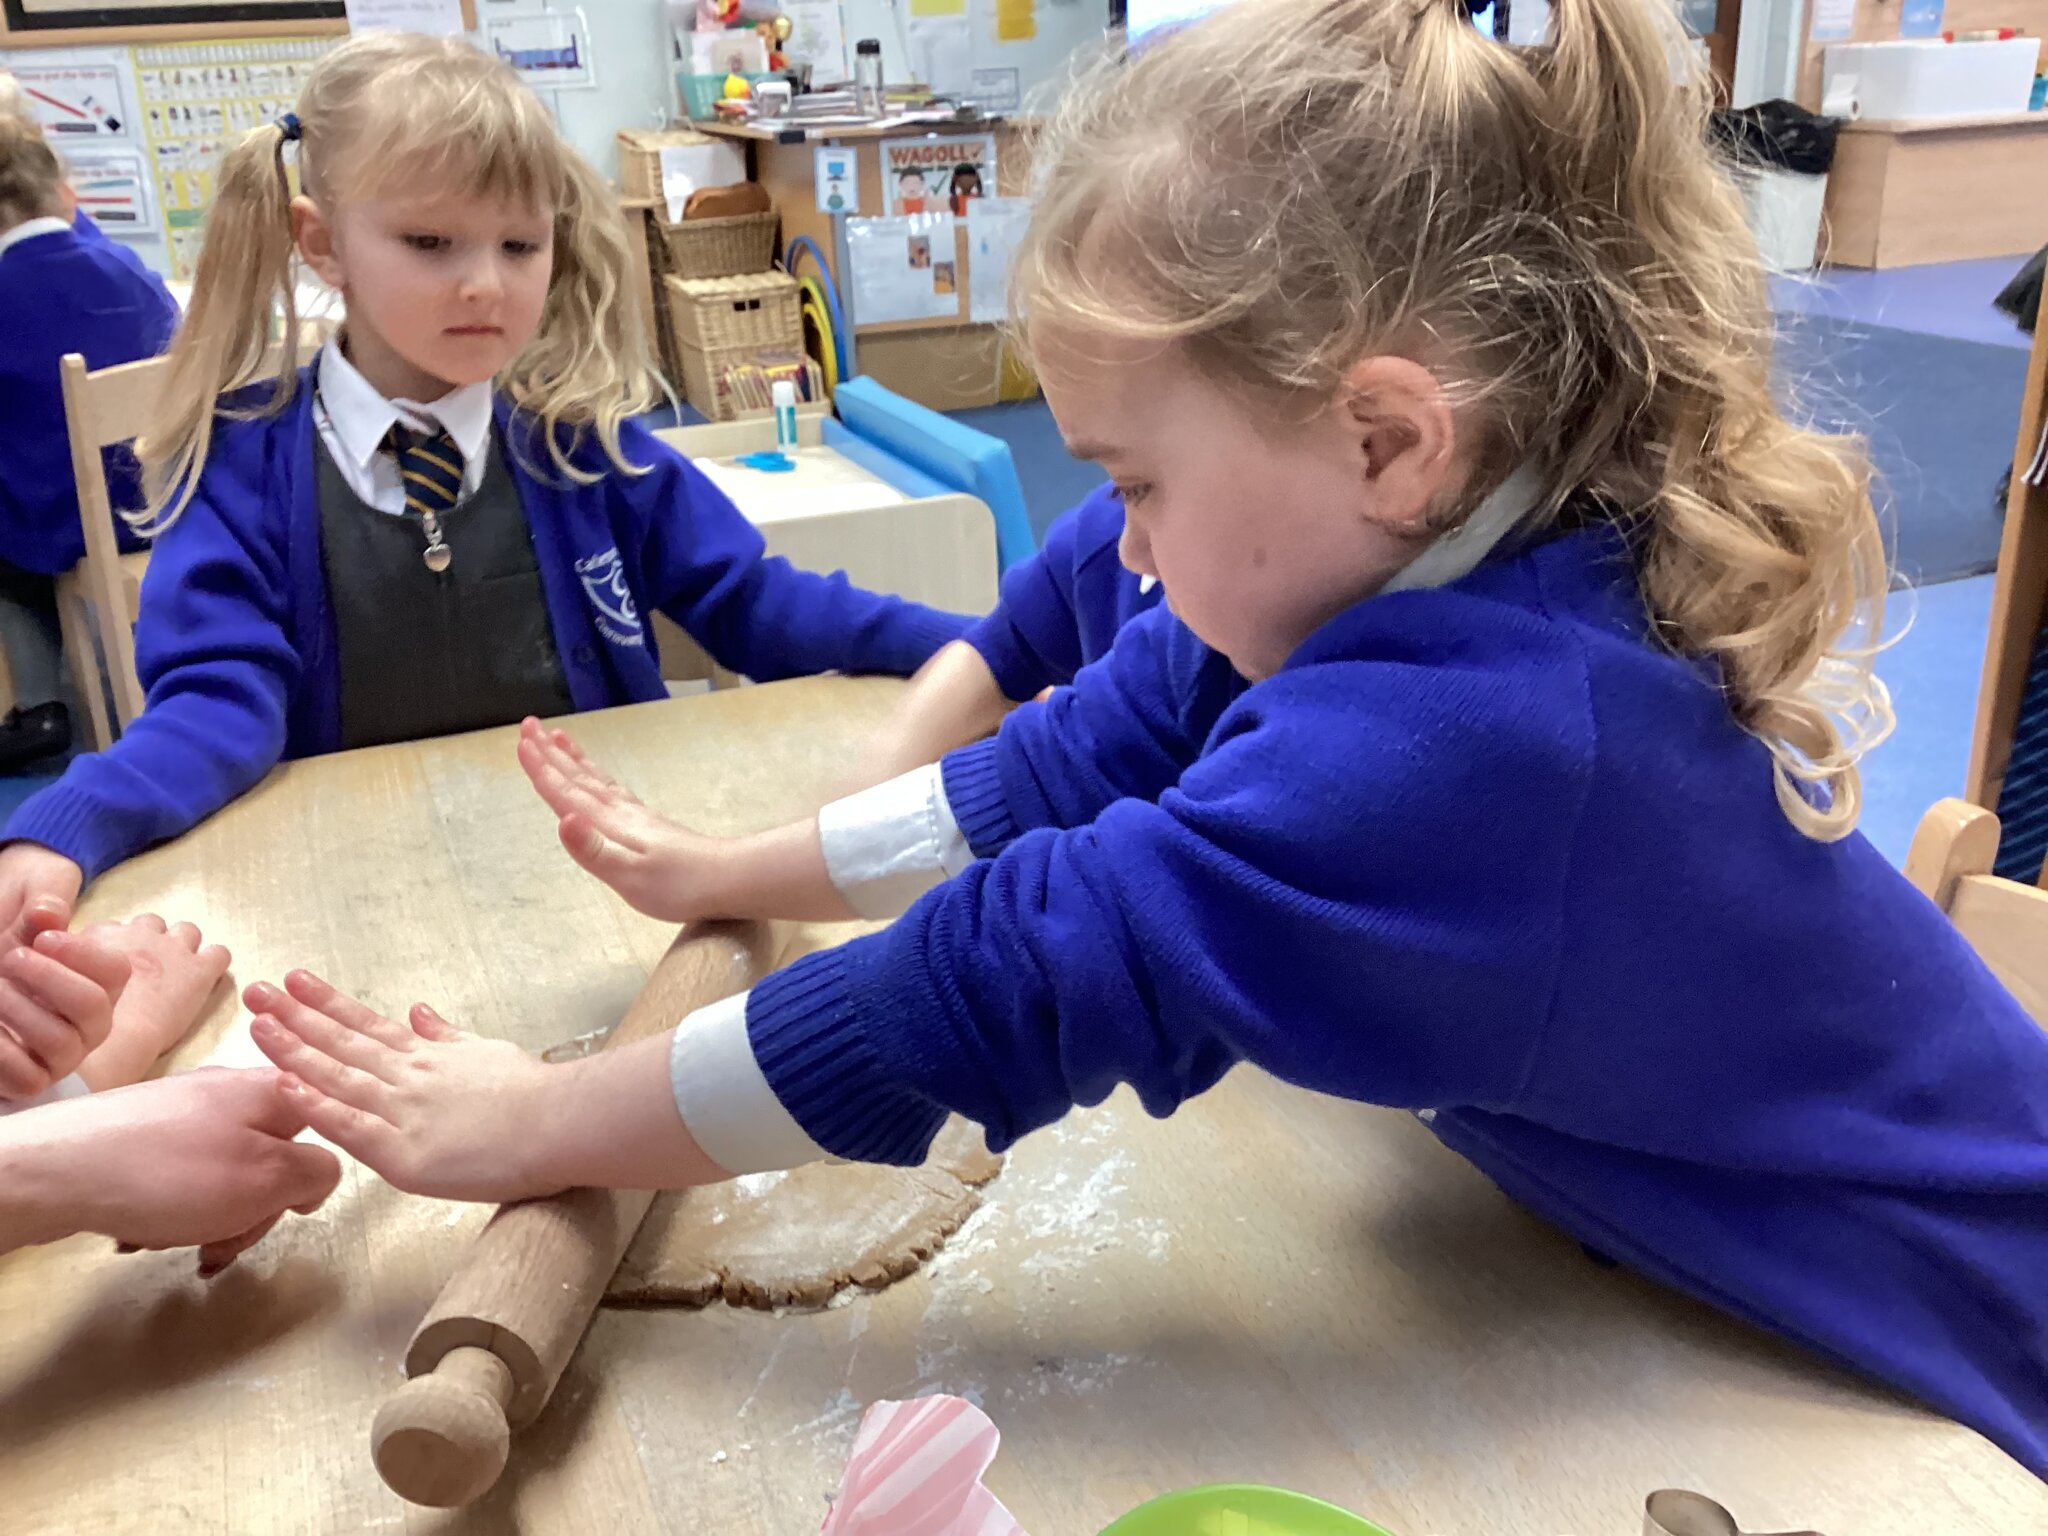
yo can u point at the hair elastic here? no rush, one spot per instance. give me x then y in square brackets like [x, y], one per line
[288, 125]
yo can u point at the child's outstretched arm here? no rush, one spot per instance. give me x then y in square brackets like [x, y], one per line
[707, 568]
[214, 659]
[205, 1159]
[436, 1111]
[954, 699]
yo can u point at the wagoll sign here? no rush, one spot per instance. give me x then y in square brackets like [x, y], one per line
[938, 175]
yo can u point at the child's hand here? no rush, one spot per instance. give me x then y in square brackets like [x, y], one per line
[173, 974]
[57, 1005]
[202, 1159]
[38, 889]
[661, 869]
[433, 1110]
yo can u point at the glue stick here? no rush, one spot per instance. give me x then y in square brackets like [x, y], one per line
[784, 396]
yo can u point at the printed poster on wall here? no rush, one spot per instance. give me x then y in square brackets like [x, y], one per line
[75, 103]
[550, 49]
[112, 186]
[938, 175]
[903, 268]
[995, 228]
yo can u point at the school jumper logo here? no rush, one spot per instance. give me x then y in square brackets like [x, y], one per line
[604, 582]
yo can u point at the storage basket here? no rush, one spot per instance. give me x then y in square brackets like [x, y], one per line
[700, 248]
[729, 382]
[640, 157]
[761, 309]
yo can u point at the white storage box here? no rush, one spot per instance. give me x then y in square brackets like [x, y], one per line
[1914, 80]
[1784, 211]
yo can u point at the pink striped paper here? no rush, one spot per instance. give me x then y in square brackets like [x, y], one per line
[916, 1471]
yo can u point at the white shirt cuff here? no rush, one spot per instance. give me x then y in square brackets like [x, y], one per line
[887, 846]
[724, 1098]
[72, 1087]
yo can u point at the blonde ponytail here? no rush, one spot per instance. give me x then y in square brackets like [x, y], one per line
[1290, 185]
[243, 279]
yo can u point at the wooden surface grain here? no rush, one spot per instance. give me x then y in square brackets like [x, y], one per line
[1271, 1286]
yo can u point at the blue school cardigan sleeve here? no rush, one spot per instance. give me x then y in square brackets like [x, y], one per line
[706, 567]
[216, 665]
[1062, 608]
[1260, 910]
[1128, 728]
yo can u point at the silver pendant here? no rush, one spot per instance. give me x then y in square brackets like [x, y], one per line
[438, 555]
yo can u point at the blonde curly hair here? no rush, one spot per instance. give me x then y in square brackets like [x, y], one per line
[1289, 186]
[384, 109]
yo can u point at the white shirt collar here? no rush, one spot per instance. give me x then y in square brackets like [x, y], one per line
[30, 229]
[362, 418]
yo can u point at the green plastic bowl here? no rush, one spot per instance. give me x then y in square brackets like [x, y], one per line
[1240, 1509]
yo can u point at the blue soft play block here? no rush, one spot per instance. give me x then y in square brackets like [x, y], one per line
[956, 456]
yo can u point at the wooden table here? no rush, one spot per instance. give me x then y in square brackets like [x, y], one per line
[1271, 1286]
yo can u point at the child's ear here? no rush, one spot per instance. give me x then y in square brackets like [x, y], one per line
[314, 236]
[1399, 423]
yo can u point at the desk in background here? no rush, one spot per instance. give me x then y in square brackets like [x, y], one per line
[947, 364]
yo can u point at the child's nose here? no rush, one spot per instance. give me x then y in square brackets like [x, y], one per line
[1135, 551]
[483, 281]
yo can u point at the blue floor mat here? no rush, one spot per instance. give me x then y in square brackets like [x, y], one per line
[1053, 478]
[1941, 417]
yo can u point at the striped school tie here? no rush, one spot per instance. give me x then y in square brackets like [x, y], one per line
[2023, 798]
[431, 467]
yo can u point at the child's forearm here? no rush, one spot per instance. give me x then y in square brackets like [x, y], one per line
[611, 1122]
[953, 699]
[780, 873]
[32, 1201]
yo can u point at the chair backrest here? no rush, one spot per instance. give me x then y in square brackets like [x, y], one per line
[2005, 922]
[104, 407]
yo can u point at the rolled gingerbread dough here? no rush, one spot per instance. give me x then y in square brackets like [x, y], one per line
[797, 1239]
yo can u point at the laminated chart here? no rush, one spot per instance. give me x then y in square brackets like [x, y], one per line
[195, 100]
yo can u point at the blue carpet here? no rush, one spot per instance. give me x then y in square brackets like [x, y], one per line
[1941, 417]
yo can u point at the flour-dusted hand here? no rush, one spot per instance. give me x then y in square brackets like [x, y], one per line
[431, 1109]
[57, 1007]
[660, 868]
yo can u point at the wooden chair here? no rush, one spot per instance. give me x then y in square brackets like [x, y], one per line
[97, 600]
[2006, 922]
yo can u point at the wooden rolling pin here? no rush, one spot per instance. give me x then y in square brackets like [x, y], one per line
[494, 1343]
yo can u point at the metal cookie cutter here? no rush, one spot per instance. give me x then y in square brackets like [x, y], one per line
[1673, 1512]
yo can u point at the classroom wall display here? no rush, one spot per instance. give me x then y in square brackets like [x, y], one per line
[84, 100]
[51, 20]
[76, 103]
[995, 228]
[195, 100]
[938, 174]
[112, 185]
[550, 49]
[904, 268]
[436, 18]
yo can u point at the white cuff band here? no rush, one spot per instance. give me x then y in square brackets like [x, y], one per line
[724, 1098]
[887, 846]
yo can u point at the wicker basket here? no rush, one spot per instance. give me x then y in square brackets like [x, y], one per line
[762, 309]
[640, 157]
[726, 383]
[699, 248]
